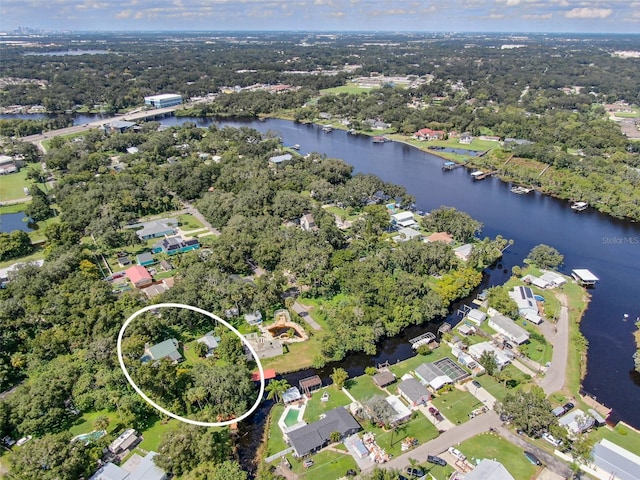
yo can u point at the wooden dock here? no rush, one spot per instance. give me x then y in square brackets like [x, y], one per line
[423, 339]
[485, 175]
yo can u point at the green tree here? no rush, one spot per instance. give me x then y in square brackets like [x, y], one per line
[447, 219]
[227, 470]
[544, 256]
[499, 299]
[276, 388]
[339, 377]
[39, 209]
[528, 411]
[488, 361]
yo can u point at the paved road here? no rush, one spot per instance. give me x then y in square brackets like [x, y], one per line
[452, 437]
[554, 378]
[302, 312]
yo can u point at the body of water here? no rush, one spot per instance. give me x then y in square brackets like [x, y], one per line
[13, 221]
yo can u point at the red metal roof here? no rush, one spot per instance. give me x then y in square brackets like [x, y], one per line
[137, 273]
[269, 373]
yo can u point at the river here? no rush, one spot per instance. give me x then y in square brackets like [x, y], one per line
[608, 247]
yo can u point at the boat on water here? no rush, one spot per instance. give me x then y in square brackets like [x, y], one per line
[352, 131]
[327, 128]
[579, 206]
[520, 190]
[379, 139]
[477, 174]
[296, 147]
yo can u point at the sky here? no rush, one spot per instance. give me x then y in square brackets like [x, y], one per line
[576, 16]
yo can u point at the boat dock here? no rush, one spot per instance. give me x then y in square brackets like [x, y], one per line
[423, 339]
[450, 165]
[479, 175]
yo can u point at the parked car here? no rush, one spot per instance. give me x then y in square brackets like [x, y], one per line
[476, 384]
[457, 453]
[433, 411]
[551, 439]
[532, 458]
[307, 463]
[437, 460]
[414, 472]
[568, 407]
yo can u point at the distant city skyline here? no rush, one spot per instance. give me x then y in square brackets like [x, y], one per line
[553, 16]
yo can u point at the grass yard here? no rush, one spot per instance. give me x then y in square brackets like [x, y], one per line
[189, 222]
[488, 445]
[300, 355]
[12, 185]
[153, 435]
[363, 388]
[328, 465]
[456, 405]
[350, 88]
[438, 472]
[38, 254]
[315, 406]
[275, 441]
[420, 428]
[85, 423]
[410, 364]
[344, 213]
[621, 435]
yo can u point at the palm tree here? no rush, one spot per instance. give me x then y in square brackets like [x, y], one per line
[276, 388]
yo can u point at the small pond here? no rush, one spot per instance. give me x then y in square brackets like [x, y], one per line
[14, 221]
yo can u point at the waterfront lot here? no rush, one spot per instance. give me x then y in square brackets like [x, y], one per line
[12, 185]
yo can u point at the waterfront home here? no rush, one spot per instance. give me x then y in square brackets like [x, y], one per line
[440, 237]
[463, 252]
[382, 379]
[537, 282]
[431, 375]
[311, 438]
[428, 134]
[280, 158]
[465, 138]
[403, 219]
[476, 351]
[167, 349]
[554, 279]
[509, 329]
[265, 346]
[413, 392]
[407, 234]
[577, 422]
[524, 298]
[615, 461]
[476, 316]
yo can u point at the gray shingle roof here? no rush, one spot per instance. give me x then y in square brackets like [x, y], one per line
[315, 435]
[413, 389]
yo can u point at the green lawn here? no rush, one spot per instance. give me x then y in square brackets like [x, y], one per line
[85, 423]
[38, 254]
[349, 88]
[189, 222]
[438, 472]
[315, 406]
[456, 405]
[327, 465]
[622, 435]
[410, 364]
[275, 441]
[488, 445]
[153, 435]
[419, 428]
[345, 214]
[300, 355]
[12, 185]
[363, 388]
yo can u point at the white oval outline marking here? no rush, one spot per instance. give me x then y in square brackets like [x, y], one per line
[164, 410]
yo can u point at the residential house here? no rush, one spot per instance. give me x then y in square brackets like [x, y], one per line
[308, 223]
[476, 351]
[431, 375]
[124, 260]
[173, 245]
[120, 126]
[377, 124]
[125, 441]
[167, 349]
[135, 468]
[7, 165]
[310, 438]
[407, 234]
[489, 470]
[536, 281]
[139, 276]
[402, 413]
[525, 299]
[616, 462]
[440, 237]
[382, 379]
[265, 346]
[577, 422]
[463, 252]
[413, 392]
[254, 318]
[280, 158]
[476, 316]
[509, 329]
[145, 259]
[158, 288]
[465, 138]
[428, 134]
[403, 219]
[157, 228]
[310, 384]
[554, 279]
[211, 341]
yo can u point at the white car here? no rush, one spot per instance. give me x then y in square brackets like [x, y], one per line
[457, 453]
[551, 439]
[23, 440]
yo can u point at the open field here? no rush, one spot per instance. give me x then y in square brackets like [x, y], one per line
[349, 89]
[489, 445]
[456, 405]
[12, 185]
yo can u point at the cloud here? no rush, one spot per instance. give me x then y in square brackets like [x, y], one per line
[588, 13]
[124, 14]
[537, 16]
[493, 16]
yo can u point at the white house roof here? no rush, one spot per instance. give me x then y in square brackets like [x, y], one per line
[489, 470]
[576, 421]
[476, 316]
[463, 250]
[525, 299]
[585, 275]
[402, 411]
[533, 318]
[406, 234]
[553, 277]
[143, 468]
[478, 349]
[616, 460]
[509, 328]
[402, 216]
[537, 281]
[281, 158]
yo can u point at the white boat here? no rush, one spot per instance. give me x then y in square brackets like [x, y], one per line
[327, 128]
[579, 206]
[520, 190]
[296, 147]
[477, 173]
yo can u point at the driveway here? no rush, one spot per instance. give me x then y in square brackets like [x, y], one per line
[554, 378]
[481, 394]
[302, 312]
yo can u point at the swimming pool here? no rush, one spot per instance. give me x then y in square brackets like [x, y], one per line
[87, 438]
[539, 298]
[292, 417]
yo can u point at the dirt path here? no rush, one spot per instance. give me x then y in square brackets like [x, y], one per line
[554, 378]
